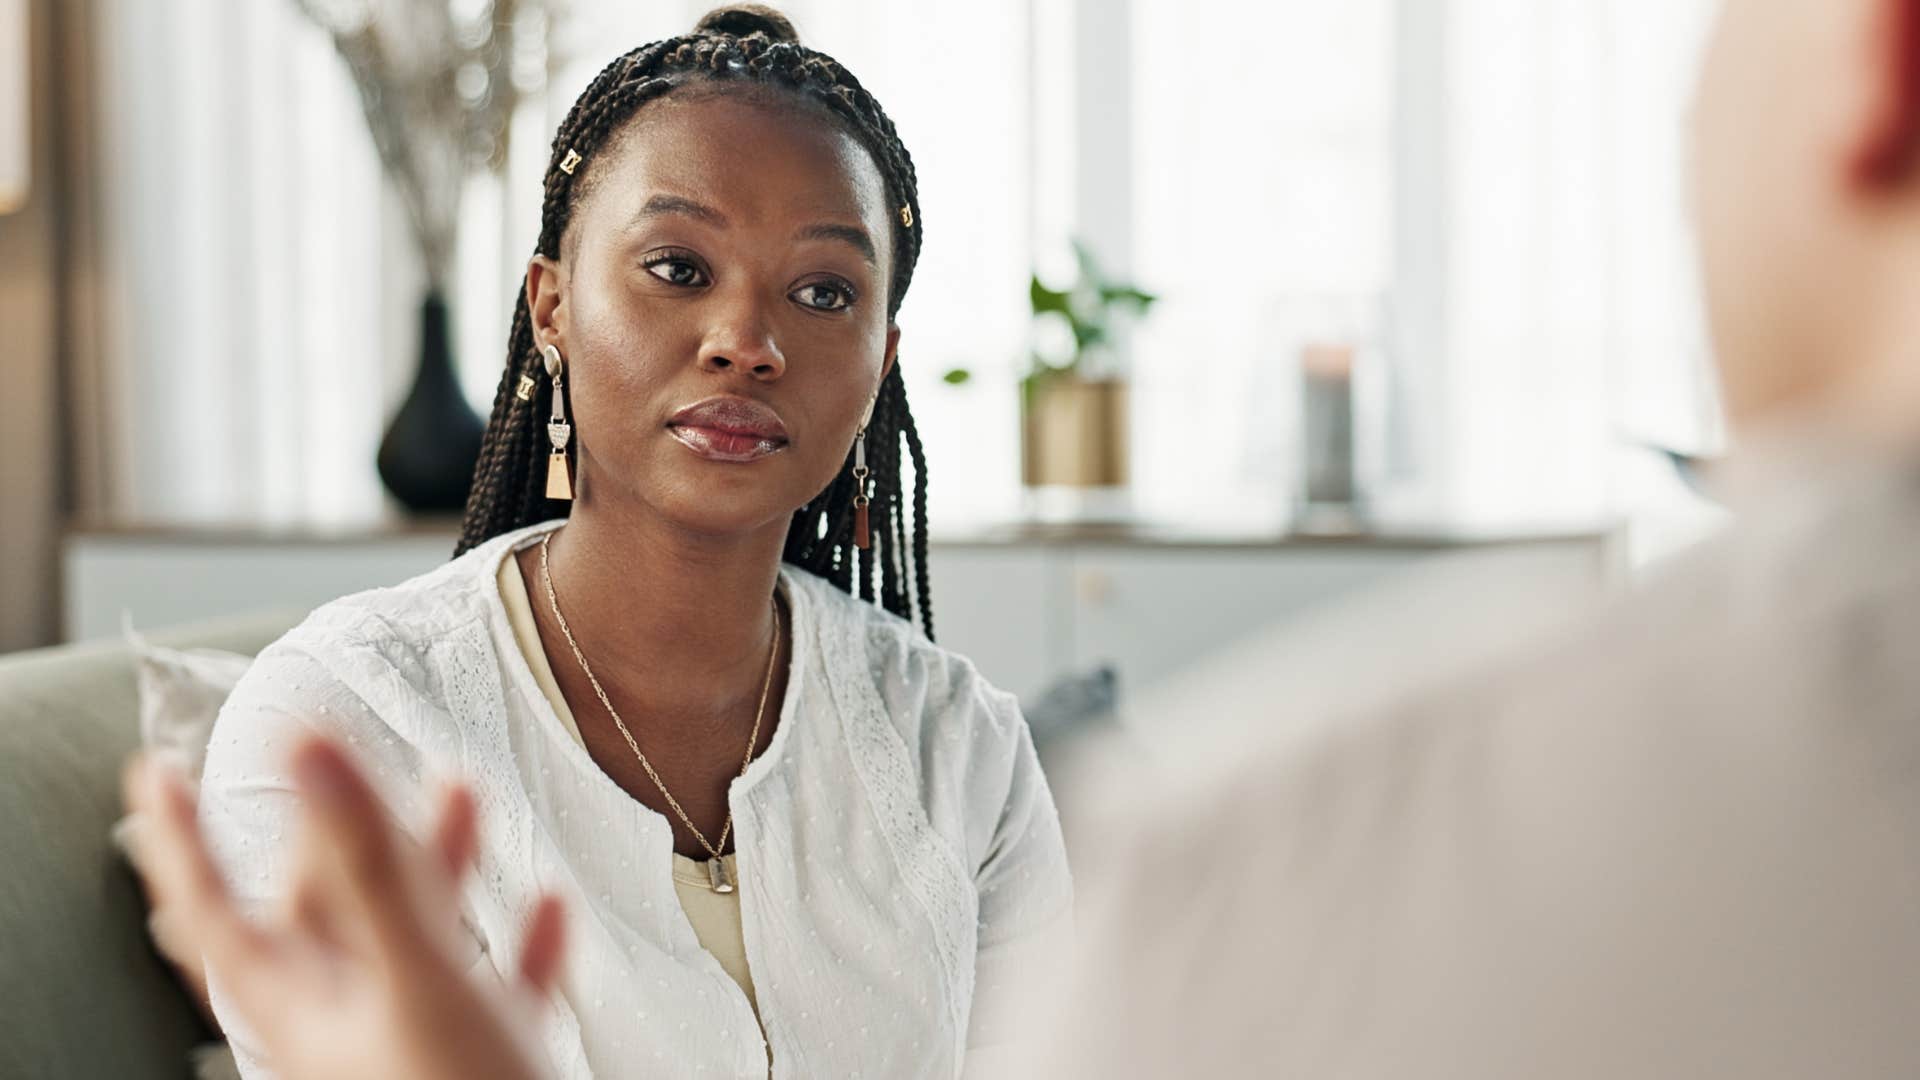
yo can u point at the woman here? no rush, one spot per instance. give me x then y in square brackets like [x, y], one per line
[792, 833]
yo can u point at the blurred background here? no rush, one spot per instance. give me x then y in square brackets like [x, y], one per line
[1227, 308]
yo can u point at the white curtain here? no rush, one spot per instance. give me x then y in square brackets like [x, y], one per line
[1574, 328]
[253, 295]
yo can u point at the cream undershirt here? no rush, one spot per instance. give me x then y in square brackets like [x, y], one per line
[715, 916]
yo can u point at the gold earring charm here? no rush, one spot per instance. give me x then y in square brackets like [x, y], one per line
[559, 431]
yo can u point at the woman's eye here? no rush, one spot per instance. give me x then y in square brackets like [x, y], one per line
[824, 296]
[676, 271]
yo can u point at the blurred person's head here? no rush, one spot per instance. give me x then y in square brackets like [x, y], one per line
[1807, 193]
[730, 225]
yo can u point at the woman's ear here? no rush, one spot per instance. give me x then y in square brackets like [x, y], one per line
[546, 301]
[1887, 146]
[893, 353]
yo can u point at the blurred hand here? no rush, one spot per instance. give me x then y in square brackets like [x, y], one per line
[357, 976]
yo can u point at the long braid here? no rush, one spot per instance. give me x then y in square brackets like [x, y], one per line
[892, 567]
[757, 46]
[922, 581]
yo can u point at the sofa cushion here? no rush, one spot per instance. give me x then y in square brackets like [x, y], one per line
[82, 992]
[181, 692]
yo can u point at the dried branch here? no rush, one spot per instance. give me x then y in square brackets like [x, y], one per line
[438, 82]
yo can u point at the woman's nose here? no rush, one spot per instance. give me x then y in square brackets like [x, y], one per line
[741, 340]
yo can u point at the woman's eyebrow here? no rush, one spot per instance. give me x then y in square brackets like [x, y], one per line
[659, 206]
[678, 206]
[848, 234]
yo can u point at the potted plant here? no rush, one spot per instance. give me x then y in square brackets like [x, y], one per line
[1073, 400]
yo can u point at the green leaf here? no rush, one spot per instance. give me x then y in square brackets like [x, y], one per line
[1087, 335]
[1046, 300]
[1128, 294]
[957, 377]
[1089, 267]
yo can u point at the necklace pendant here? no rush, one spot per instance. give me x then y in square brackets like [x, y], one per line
[717, 875]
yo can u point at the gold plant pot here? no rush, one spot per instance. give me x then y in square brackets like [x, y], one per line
[1075, 433]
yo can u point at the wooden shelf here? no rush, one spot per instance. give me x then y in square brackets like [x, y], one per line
[1142, 534]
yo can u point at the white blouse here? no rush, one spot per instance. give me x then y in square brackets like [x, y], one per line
[898, 849]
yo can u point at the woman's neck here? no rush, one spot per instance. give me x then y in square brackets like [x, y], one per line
[677, 612]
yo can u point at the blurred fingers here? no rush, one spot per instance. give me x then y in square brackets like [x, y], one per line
[544, 948]
[354, 856]
[456, 836]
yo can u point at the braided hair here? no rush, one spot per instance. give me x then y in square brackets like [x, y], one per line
[753, 47]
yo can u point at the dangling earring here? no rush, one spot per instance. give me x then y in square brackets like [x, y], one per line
[559, 432]
[862, 527]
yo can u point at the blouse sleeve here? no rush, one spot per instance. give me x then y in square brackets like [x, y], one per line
[1024, 885]
[248, 809]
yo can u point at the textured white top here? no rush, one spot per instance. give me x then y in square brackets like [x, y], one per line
[898, 846]
[714, 916]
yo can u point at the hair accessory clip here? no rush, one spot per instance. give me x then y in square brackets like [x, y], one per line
[568, 163]
[906, 216]
[525, 391]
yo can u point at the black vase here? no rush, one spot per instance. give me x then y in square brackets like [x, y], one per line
[428, 454]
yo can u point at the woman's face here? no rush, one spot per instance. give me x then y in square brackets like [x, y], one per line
[721, 301]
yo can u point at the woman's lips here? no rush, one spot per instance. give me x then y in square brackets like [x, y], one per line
[727, 446]
[730, 429]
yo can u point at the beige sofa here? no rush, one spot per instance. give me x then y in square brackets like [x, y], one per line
[82, 993]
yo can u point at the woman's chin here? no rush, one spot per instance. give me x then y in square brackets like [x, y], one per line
[726, 509]
[710, 499]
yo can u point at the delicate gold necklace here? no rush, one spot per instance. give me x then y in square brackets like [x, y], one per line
[716, 867]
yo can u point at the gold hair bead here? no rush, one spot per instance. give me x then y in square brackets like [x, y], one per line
[571, 161]
[525, 392]
[906, 216]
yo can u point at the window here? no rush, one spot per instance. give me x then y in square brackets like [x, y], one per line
[1483, 194]
[1262, 214]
